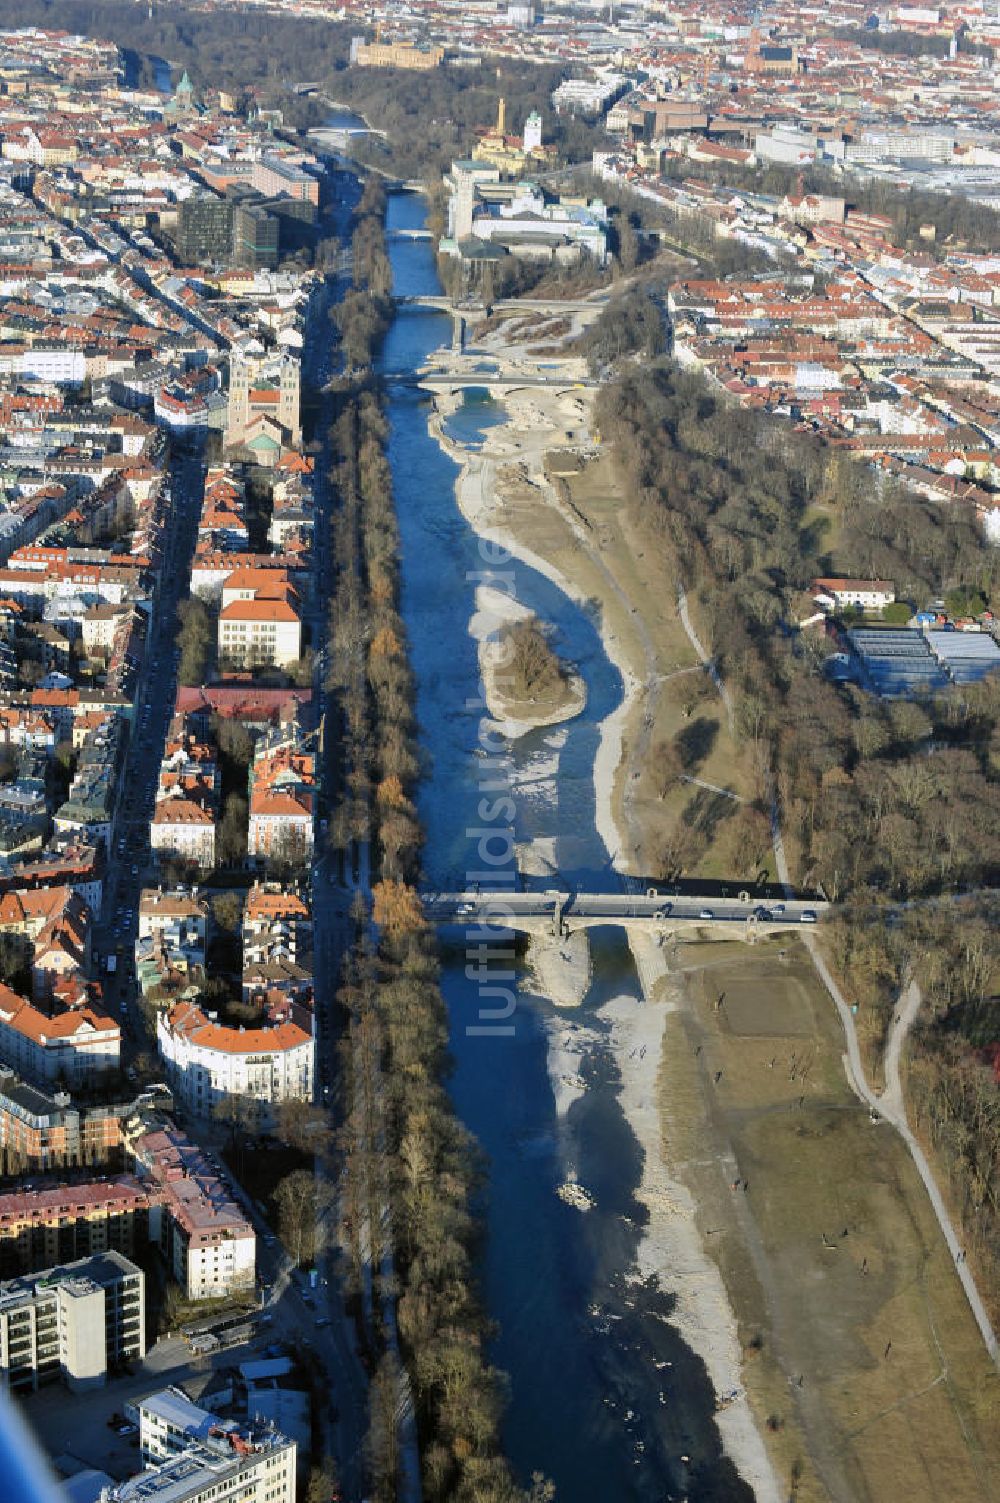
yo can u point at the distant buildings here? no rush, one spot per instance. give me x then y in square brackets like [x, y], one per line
[395, 55]
[491, 218]
[72, 1322]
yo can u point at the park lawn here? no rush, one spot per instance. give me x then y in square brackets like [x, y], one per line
[869, 1420]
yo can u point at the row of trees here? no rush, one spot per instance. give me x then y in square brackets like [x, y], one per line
[881, 800]
[364, 313]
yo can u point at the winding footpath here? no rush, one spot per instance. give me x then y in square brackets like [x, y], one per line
[889, 1106]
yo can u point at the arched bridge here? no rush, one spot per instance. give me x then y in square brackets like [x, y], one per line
[559, 912]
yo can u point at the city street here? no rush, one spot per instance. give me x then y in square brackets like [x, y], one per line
[128, 855]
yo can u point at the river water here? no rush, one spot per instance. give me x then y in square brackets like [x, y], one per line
[605, 1398]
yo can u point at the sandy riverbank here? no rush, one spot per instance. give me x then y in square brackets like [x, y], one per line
[495, 611]
[531, 430]
[514, 455]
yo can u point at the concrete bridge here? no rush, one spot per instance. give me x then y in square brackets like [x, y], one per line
[410, 235]
[431, 303]
[490, 381]
[560, 913]
[548, 306]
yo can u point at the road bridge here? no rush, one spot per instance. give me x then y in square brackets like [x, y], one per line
[563, 912]
[411, 235]
[488, 381]
[441, 304]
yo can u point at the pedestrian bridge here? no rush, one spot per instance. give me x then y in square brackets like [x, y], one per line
[559, 913]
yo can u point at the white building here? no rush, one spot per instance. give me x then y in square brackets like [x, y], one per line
[180, 827]
[77, 1048]
[260, 632]
[207, 1061]
[179, 920]
[70, 1322]
[238, 1464]
[869, 594]
[207, 1241]
[169, 1422]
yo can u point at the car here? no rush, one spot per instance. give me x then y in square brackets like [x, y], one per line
[663, 910]
[763, 914]
[464, 909]
[807, 916]
[706, 913]
[778, 908]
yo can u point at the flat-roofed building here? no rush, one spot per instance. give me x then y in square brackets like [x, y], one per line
[76, 1322]
[231, 1464]
[42, 1130]
[169, 1422]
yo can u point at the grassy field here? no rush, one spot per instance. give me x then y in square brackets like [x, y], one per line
[863, 1361]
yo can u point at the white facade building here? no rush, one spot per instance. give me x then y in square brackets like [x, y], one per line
[206, 1062]
[76, 1048]
[235, 1465]
[180, 827]
[69, 1322]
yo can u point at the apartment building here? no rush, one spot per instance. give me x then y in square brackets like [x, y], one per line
[206, 1061]
[274, 177]
[259, 623]
[207, 1242]
[76, 1322]
[277, 924]
[177, 920]
[60, 1223]
[282, 796]
[169, 1422]
[42, 1130]
[231, 1464]
[78, 1048]
[184, 828]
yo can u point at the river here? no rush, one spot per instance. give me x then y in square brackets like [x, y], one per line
[605, 1397]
